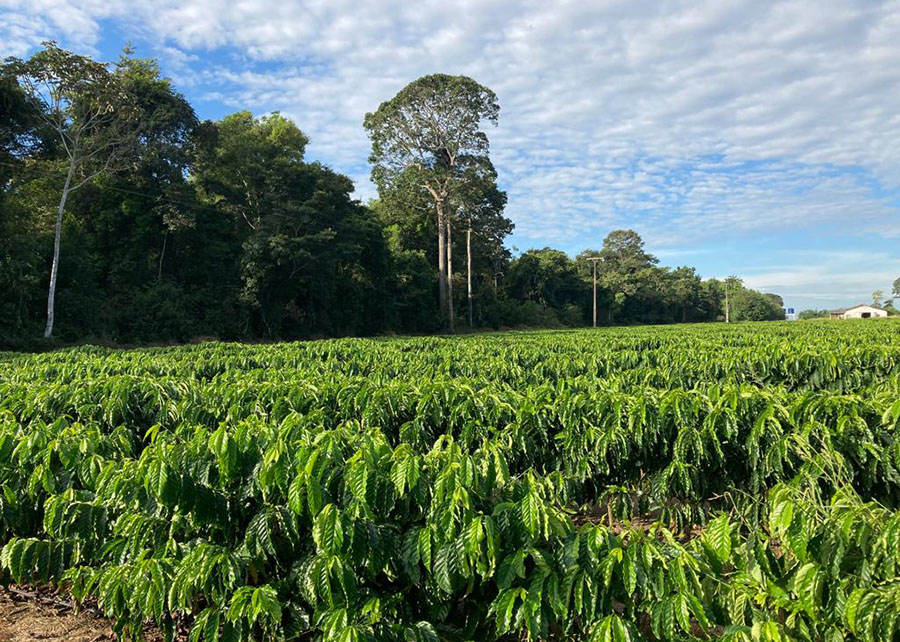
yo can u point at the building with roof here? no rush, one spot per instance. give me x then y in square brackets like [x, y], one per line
[861, 311]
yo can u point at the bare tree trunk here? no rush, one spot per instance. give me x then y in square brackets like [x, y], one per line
[449, 274]
[54, 268]
[162, 255]
[469, 271]
[442, 257]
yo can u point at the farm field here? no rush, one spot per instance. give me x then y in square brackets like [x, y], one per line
[656, 483]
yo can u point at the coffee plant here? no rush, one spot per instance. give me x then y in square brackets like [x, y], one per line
[665, 483]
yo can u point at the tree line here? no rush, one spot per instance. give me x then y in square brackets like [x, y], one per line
[124, 217]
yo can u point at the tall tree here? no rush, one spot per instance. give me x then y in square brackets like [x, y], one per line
[623, 261]
[20, 245]
[744, 304]
[686, 293]
[166, 137]
[548, 277]
[410, 215]
[93, 118]
[19, 120]
[429, 137]
[777, 299]
[312, 259]
[137, 222]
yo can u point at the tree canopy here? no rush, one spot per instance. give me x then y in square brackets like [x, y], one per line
[173, 228]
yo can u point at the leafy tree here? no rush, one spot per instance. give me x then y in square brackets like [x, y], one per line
[239, 169]
[745, 304]
[21, 254]
[686, 293]
[813, 314]
[93, 118]
[311, 259]
[140, 220]
[412, 219]
[550, 278]
[410, 285]
[429, 138]
[895, 289]
[20, 134]
[776, 299]
[877, 296]
[752, 306]
[713, 299]
[623, 264]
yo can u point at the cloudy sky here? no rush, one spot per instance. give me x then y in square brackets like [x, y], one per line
[741, 137]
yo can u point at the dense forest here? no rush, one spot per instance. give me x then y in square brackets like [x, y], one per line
[144, 223]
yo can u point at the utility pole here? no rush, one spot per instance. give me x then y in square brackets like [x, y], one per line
[594, 259]
[727, 319]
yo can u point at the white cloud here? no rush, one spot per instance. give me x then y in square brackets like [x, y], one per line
[685, 119]
[829, 279]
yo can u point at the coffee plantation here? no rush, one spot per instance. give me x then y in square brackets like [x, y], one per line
[735, 482]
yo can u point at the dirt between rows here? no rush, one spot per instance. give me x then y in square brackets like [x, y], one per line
[26, 616]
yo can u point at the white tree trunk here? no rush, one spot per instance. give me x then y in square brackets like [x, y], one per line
[442, 257]
[449, 274]
[54, 268]
[469, 271]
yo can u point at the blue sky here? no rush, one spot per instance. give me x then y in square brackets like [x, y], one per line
[740, 137]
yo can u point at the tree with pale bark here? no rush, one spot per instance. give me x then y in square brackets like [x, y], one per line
[429, 137]
[93, 120]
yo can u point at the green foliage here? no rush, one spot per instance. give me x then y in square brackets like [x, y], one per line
[223, 230]
[212, 229]
[547, 277]
[432, 127]
[431, 164]
[692, 482]
[546, 288]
